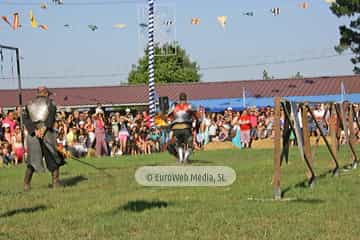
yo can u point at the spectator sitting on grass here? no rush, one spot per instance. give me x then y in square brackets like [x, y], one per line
[153, 139]
[8, 156]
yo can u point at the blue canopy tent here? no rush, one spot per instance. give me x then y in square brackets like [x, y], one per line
[237, 104]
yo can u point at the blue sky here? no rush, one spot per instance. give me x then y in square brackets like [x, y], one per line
[64, 52]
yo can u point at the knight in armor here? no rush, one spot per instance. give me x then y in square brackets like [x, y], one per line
[39, 118]
[181, 141]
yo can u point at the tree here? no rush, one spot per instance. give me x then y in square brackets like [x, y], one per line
[266, 75]
[350, 36]
[168, 69]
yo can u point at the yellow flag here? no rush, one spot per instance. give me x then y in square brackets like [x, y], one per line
[120, 25]
[222, 21]
[33, 22]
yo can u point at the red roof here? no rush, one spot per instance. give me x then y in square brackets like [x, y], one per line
[138, 94]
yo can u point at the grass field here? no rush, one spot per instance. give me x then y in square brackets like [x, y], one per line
[107, 203]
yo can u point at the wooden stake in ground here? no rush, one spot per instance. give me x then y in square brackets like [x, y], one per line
[277, 150]
[307, 147]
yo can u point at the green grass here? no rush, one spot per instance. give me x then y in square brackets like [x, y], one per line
[94, 205]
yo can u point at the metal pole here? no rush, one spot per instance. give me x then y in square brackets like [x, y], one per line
[151, 62]
[19, 86]
[20, 94]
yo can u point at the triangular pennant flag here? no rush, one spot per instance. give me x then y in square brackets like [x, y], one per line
[43, 6]
[250, 14]
[33, 22]
[16, 23]
[92, 27]
[195, 21]
[304, 5]
[222, 21]
[58, 2]
[43, 26]
[120, 25]
[275, 11]
[6, 20]
[168, 22]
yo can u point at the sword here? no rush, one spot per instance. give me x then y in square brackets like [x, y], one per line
[54, 151]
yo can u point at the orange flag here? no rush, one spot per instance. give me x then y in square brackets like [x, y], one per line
[16, 23]
[6, 20]
[43, 26]
[304, 5]
[195, 21]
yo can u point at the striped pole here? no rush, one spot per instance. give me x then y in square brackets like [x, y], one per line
[151, 62]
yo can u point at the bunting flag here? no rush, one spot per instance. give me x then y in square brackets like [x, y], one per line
[16, 23]
[275, 11]
[195, 21]
[304, 5]
[222, 21]
[143, 25]
[43, 26]
[58, 2]
[6, 20]
[93, 27]
[43, 6]
[168, 22]
[33, 22]
[250, 14]
[120, 25]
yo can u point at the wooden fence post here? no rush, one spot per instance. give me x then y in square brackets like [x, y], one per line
[277, 150]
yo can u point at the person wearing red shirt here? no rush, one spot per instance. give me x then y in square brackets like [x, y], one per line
[254, 123]
[245, 126]
[9, 119]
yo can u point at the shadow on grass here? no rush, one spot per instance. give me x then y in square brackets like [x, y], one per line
[142, 205]
[200, 161]
[23, 210]
[72, 181]
[309, 201]
[305, 183]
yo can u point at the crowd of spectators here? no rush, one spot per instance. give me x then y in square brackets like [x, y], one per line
[128, 132]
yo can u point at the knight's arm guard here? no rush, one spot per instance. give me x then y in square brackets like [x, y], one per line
[49, 123]
[30, 126]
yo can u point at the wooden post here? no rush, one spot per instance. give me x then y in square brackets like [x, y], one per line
[334, 122]
[286, 132]
[277, 150]
[307, 146]
[333, 155]
[351, 140]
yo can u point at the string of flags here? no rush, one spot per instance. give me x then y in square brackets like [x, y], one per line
[275, 11]
[222, 20]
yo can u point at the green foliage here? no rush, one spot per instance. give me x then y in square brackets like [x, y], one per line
[350, 35]
[168, 69]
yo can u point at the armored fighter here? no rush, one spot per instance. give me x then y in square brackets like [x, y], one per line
[39, 117]
[181, 129]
